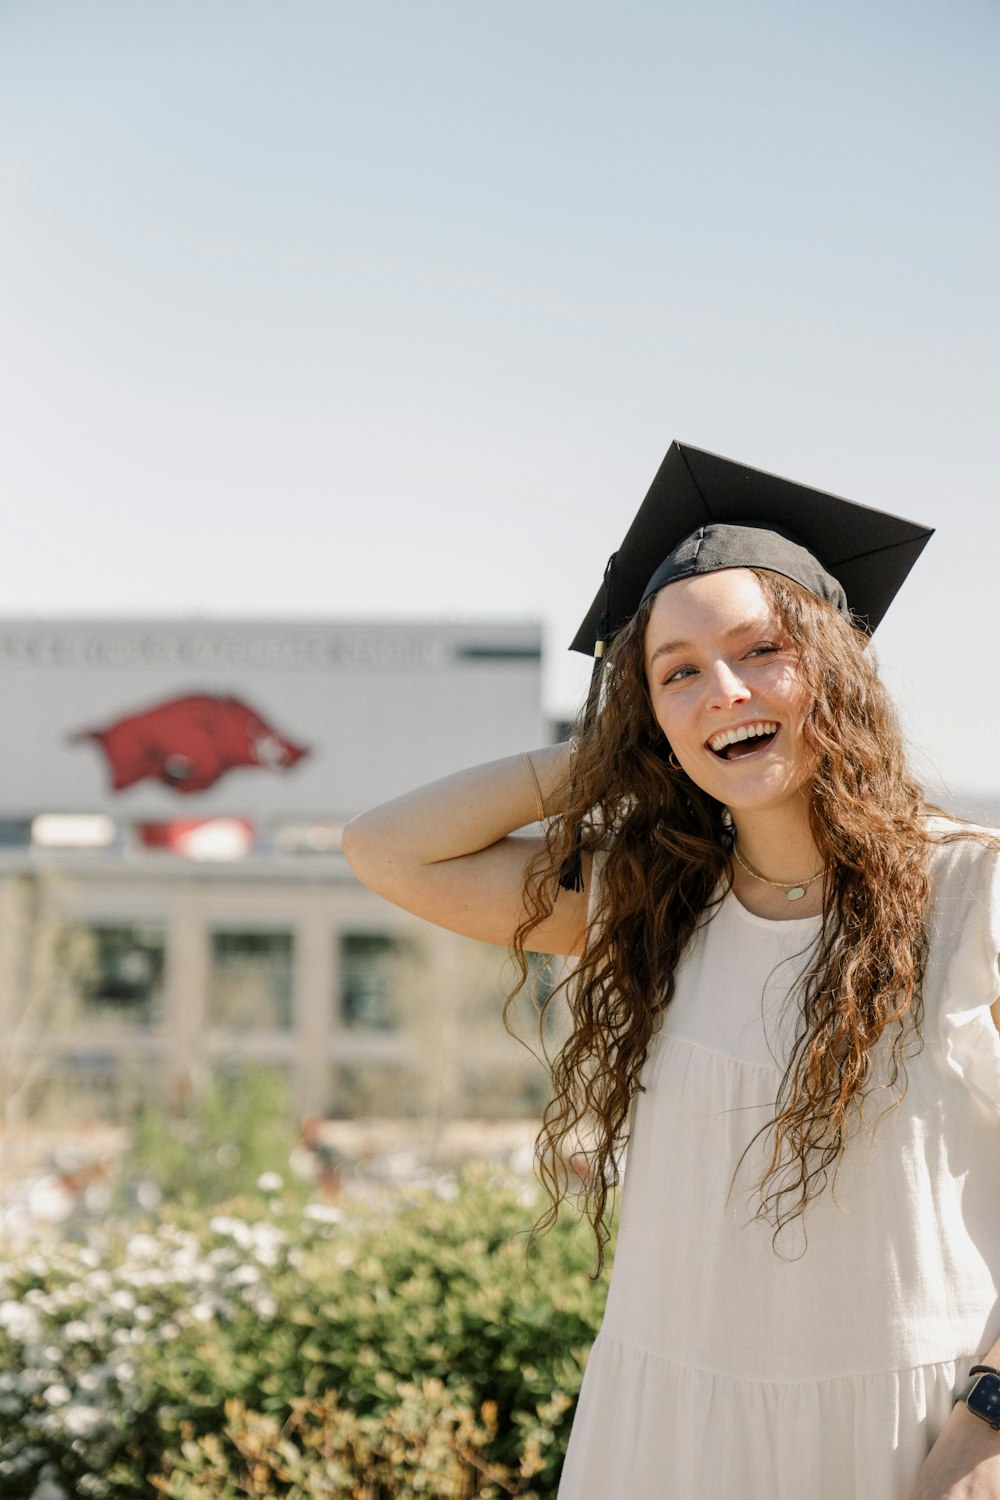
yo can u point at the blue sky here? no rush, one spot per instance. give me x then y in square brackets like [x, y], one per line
[393, 308]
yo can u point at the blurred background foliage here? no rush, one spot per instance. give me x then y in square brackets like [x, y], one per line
[235, 1330]
[236, 1128]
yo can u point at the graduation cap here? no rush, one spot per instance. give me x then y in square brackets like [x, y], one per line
[704, 513]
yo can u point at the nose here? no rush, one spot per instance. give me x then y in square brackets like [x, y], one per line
[726, 689]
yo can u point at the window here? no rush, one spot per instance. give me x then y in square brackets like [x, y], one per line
[369, 972]
[250, 987]
[122, 974]
[15, 833]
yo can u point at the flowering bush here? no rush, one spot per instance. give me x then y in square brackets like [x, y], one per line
[267, 1352]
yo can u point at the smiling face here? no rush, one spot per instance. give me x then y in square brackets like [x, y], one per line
[724, 686]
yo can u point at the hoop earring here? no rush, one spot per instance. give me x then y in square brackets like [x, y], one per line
[673, 762]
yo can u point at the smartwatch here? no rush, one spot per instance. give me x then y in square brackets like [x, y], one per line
[982, 1394]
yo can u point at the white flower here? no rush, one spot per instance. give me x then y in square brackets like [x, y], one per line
[48, 1489]
[91, 1486]
[224, 1225]
[57, 1395]
[81, 1421]
[268, 1243]
[142, 1247]
[322, 1213]
[243, 1276]
[149, 1196]
[19, 1321]
[270, 1182]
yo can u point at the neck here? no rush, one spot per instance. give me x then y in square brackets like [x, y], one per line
[779, 845]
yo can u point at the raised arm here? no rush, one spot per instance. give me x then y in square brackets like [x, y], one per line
[450, 851]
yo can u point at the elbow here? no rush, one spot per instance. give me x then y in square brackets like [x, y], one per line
[355, 843]
[369, 851]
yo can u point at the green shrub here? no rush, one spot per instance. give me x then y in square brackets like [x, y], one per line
[415, 1351]
[235, 1129]
[428, 1444]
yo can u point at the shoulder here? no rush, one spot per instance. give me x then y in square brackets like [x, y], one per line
[963, 931]
[963, 913]
[962, 857]
[941, 827]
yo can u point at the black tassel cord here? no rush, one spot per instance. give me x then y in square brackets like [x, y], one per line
[571, 875]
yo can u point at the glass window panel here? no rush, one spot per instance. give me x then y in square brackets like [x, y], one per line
[250, 986]
[15, 833]
[122, 974]
[369, 976]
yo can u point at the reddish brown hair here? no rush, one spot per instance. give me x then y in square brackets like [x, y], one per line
[666, 867]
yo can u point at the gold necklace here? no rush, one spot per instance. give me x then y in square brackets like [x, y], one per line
[794, 890]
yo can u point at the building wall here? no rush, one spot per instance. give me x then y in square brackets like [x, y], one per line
[136, 966]
[376, 707]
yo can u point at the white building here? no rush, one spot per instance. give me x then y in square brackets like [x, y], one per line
[172, 892]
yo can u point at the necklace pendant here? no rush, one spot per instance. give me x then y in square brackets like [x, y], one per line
[796, 893]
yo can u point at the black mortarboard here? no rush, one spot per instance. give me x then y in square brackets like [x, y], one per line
[703, 513]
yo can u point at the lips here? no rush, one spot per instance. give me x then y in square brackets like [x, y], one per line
[743, 739]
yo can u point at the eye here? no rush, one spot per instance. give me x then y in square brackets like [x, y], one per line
[763, 648]
[677, 675]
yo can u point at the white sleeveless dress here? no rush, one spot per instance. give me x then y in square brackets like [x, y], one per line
[726, 1369]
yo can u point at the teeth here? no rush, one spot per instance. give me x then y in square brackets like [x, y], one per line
[744, 732]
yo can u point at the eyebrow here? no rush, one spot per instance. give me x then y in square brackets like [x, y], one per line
[745, 627]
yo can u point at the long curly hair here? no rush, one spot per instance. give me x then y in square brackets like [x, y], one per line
[664, 849]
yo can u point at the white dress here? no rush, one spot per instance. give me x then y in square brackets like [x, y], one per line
[727, 1370]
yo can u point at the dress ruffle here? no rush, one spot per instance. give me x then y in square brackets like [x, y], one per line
[695, 1434]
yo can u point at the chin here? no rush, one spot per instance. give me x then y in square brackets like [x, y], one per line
[757, 799]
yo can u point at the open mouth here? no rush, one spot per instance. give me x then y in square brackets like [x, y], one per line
[737, 744]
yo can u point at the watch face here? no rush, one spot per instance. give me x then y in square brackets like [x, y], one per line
[984, 1399]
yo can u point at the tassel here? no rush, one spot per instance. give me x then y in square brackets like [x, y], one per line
[571, 874]
[571, 878]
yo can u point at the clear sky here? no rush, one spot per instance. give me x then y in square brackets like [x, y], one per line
[393, 308]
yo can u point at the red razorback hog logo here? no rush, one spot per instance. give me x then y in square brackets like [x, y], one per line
[188, 743]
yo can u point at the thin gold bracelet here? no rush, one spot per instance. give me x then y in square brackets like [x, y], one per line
[539, 800]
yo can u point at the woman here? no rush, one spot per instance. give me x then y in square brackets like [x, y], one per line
[786, 1002]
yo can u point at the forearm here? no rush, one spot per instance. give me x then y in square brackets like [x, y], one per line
[964, 1463]
[460, 814]
[444, 852]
